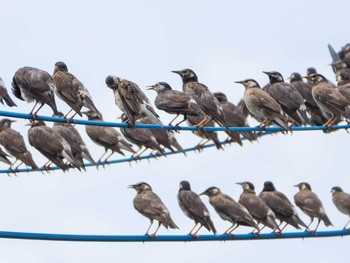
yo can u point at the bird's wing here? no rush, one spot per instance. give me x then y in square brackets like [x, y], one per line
[192, 202]
[150, 205]
[172, 101]
[45, 140]
[286, 95]
[12, 141]
[131, 97]
[67, 86]
[277, 203]
[265, 101]
[258, 209]
[104, 135]
[308, 202]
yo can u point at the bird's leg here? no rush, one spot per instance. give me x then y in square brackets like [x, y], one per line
[138, 156]
[47, 166]
[329, 121]
[314, 231]
[66, 115]
[201, 123]
[184, 119]
[262, 125]
[192, 229]
[336, 118]
[31, 112]
[149, 229]
[206, 122]
[134, 155]
[171, 123]
[283, 227]
[18, 166]
[261, 229]
[308, 227]
[195, 233]
[233, 228]
[13, 164]
[36, 113]
[346, 225]
[100, 160]
[155, 233]
[106, 160]
[200, 144]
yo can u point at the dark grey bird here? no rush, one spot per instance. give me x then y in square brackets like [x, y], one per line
[281, 206]
[52, 145]
[131, 100]
[72, 91]
[4, 96]
[175, 102]
[148, 203]
[4, 157]
[194, 208]
[141, 138]
[14, 144]
[234, 116]
[33, 84]
[229, 210]
[259, 210]
[261, 105]
[72, 136]
[329, 99]
[107, 137]
[310, 204]
[163, 137]
[342, 201]
[291, 101]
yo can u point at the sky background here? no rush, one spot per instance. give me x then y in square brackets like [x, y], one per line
[143, 41]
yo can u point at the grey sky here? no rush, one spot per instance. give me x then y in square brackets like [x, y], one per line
[143, 41]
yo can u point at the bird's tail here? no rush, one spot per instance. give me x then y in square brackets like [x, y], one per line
[210, 225]
[28, 160]
[235, 137]
[250, 136]
[326, 220]
[176, 144]
[172, 224]
[9, 101]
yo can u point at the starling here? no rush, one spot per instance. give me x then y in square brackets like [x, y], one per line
[194, 208]
[71, 90]
[281, 206]
[4, 96]
[234, 116]
[148, 203]
[310, 204]
[342, 201]
[52, 145]
[131, 100]
[107, 137]
[262, 105]
[260, 211]
[175, 102]
[291, 101]
[33, 84]
[229, 210]
[343, 81]
[13, 143]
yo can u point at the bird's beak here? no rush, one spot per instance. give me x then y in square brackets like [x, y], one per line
[28, 124]
[151, 87]
[176, 71]
[13, 121]
[239, 82]
[305, 77]
[239, 183]
[297, 185]
[204, 193]
[131, 186]
[84, 112]
[266, 72]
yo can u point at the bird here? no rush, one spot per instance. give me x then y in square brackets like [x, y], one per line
[33, 84]
[281, 206]
[72, 136]
[342, 201]
[310, 204]
[175, 102]
[343, 81]
[52, 145]
[234, 116]
[259, 210]
[131, 100]
[71, 90]
[4, 96]
[344, 54]
[194, 208]
[260, 104]
[107, 137]
[329, 99]
[148, 203]
[14, 144]
[230, 210]
[291, 101]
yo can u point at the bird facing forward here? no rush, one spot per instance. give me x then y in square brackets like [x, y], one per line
[342, 201]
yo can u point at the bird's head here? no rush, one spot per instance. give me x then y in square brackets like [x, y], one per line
[249, 83]
[185, 185]
[211, 191]
[60, 66]
[221, 97]
[274, 76]
[112, 82]
[269, 187]
[336, 189]
[186, 75]
[159, 87]
[295, 76]
[342, 78]
[91, 115]
[310, 71]
[247, 186]
[5, 123]
[303, 186]
[140, 187]
[315, 78]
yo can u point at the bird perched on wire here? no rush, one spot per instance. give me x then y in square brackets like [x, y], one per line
[193, 207]
[33, 84]
[234, 116]
[131, 100]
[4, 96]
[262, 105]
[14, 144]
[310, 204]
[175, 102]
[259, 210]
[107, 137]
[72, 91]
[148, 203]
[229, 210]
[52, 145]
[291, 101]
[281, 206]
[342, 201]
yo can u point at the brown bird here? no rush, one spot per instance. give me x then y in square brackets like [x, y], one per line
[262, 105]
[4, 96]
[148, 203]
[72, 91]
[342, 201]
[259, 210]
[33, 84]
[13, 143]
[310, 204]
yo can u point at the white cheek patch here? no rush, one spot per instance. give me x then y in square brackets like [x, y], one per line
[206, 214]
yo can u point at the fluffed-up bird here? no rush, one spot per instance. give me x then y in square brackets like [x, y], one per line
[342, 201]
[228, 209]
[33, 84]
[194, 208]
[148, 204]
[311, 205]
[281, 206]
[72, 91]
[14, 144]
[259, 210]
[131, 100]
[4, 96]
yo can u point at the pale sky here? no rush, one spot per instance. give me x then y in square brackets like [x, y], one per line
[143, 41]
